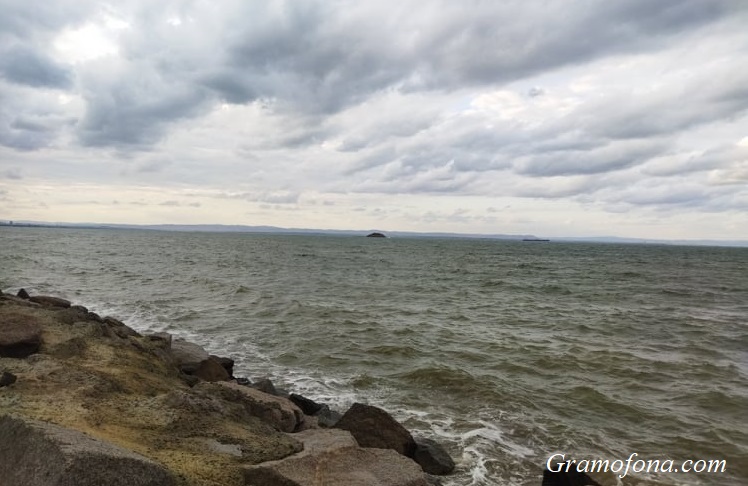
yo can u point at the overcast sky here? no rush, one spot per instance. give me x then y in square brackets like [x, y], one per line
[554, 117]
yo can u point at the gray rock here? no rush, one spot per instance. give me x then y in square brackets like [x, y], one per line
[23, 294]
[20, 336]
[264, 385]
[308, 406]
[374, 427]
[332, 457]
[119, 328]
[34, 453]
[432, 457]
[278, 412]
[326, 417]
[48, 301]
[7, 379]
[187, 355]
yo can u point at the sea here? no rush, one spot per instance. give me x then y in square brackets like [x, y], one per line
[506, 352]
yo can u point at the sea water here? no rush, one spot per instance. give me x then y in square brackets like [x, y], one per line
[506, 352]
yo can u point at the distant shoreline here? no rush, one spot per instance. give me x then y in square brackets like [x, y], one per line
[213, 228]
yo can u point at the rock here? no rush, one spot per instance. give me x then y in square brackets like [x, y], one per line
[570, 478]
[83, 310]
[36, 453]
[23, 294]
[112, 321]
[93, 316]
[20, 336]
[327, 417]
[432, 457]
[264, 385]
[278, 412]
[187, 356]
[211, 370]
[243, 381]
[376, 235]
[119, 328]
[373, 427]
[48, 301]
[161, 339]
[7, 379]
[190, 380]
[227, 363]
[331, 457]
[309, 407]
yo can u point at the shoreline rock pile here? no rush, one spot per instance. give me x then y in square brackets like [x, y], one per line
[87, 400]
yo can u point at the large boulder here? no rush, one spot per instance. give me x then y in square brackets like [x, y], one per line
[278, 412]
[187, 356]
[331, 457]
[20, 335]
[227, 363]
[432, 457]
[374, 427]
[34, 453]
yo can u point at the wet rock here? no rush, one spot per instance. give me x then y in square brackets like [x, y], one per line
[36, 453]
[23, 294]
[7, 378]
[227, 363]
[48, 301]
[570, 478]
[432, 457]
[308, 406]
[331, 457]
[20, 336]
[327, 417]
[83, 310]
[374, 427]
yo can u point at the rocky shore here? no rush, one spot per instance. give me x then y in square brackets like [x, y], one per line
[87, 400]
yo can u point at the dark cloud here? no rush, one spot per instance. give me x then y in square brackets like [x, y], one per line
[131, 106]
[25, 66]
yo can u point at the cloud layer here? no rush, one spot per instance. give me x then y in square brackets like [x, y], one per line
[574, 117]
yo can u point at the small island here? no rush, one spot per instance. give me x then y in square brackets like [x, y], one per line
[376, 235]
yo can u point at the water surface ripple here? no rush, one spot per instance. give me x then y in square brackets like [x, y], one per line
[504, 351]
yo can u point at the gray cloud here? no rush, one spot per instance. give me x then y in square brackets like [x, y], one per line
[22, 65]
[632, 104]
[13, 173]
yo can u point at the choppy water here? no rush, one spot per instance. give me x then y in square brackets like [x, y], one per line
[505, 352]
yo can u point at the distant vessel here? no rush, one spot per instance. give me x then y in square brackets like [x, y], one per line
[534, 239]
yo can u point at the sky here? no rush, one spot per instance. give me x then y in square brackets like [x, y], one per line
[548, 117]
